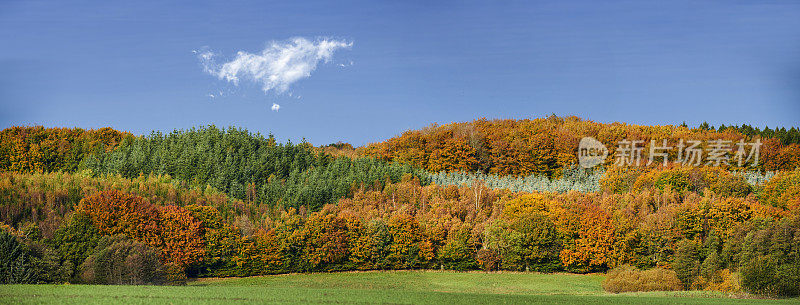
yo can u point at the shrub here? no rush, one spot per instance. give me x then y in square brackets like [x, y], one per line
[722, 280]
[489, 260]
[46, 263]
[324, 243]
[766, 276]
[174, 274]
[171, 229]
[629, 279]
[119, 260]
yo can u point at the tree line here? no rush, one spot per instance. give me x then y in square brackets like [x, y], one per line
[786, 136]
[246, 166]
[40, 149]
[707, 225]
[545, 146]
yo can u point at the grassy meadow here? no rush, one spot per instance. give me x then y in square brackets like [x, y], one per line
[392, 287]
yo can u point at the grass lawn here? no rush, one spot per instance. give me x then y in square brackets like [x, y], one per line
[401, 287]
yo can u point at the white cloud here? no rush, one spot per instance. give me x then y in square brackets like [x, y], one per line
[276, 107]
[206, 58]
[276, 67]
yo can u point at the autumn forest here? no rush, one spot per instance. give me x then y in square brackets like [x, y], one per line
[105, 206]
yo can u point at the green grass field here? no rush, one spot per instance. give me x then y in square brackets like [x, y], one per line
[402, 287]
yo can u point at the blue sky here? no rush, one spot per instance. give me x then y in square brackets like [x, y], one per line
[130, 65]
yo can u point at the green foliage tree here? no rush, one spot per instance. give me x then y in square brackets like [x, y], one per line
[458, 252]
[687, 261]
[770, 259]
[15, 263]
[75, 240]
[25, 261]
[525, 243]
[247, 166]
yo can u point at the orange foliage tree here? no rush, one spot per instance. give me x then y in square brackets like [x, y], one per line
[546, 145]
[170, 228]
[39, 149]
[594, 247]
[181, 235]
[114, 212]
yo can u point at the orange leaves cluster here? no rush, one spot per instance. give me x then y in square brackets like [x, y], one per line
[455, 155]
[257, 254]
[325, 241]
[546, 145]
[170, 228]
[181, 235]
[39, 149]
[783, 191]
[408, 248]
[115, 212]
[680, 179]
[594, 248]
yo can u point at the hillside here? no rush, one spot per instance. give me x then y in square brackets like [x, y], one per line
[547, 145]
[208, 202]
